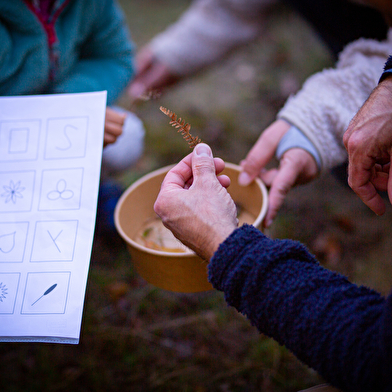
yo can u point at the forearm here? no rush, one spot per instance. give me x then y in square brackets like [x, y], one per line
[330, 324]
[206, 32]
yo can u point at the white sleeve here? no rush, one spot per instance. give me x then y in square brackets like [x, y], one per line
[328, 100]
[207, 31]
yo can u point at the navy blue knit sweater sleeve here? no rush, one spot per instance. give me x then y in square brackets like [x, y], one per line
[387, 69]
[338, 328]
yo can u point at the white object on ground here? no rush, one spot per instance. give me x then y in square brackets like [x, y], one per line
[121, 155]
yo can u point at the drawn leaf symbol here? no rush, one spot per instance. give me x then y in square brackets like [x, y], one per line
[7, 242]
[51, 288]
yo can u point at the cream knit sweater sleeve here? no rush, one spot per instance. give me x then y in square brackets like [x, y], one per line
[328, 100]
[207, 31]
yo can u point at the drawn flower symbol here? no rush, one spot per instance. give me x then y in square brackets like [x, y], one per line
[12, 192]
[3, 291]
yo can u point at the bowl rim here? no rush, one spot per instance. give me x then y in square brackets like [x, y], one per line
[160, 171]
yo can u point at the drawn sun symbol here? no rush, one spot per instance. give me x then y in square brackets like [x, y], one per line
[3, 291]
[12, 192]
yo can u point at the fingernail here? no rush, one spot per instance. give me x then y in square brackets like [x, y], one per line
[244, 179]
[202, 150]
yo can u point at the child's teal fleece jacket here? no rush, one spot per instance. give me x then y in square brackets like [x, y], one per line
[83, 46]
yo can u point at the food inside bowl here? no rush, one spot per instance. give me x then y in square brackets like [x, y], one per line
[244, 216]
[154, 235]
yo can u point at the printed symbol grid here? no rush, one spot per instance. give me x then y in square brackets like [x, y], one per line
[59, 190]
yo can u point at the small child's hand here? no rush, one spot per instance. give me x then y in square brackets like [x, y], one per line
[114, 123]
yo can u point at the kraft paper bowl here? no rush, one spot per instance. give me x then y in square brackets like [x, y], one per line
[181, 272]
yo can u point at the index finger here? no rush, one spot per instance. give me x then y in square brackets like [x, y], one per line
[263, 151]
[179, 175]
[284, 180]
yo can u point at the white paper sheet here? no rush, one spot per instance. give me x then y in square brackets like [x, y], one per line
[50, 161]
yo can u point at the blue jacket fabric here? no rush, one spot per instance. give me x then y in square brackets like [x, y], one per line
[83, 46]
[341, 330]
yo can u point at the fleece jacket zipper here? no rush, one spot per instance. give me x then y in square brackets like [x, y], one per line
[49, 27]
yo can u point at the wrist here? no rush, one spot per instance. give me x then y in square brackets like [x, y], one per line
[294, 138]
[386, 83]
[216, 238]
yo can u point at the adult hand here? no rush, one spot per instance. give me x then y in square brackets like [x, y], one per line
[368, 141]
[194, 203]
[114, 122]
[151, 75]
[296, 166]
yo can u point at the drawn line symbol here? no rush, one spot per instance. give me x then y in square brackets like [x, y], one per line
[49, 290]
[67, 137]
[7, 242]
[54, 239]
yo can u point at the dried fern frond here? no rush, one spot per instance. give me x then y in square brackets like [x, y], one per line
[181, 127]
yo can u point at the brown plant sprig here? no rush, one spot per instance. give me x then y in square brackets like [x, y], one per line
[181, 127]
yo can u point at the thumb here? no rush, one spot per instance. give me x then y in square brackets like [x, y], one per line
[202, 162]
